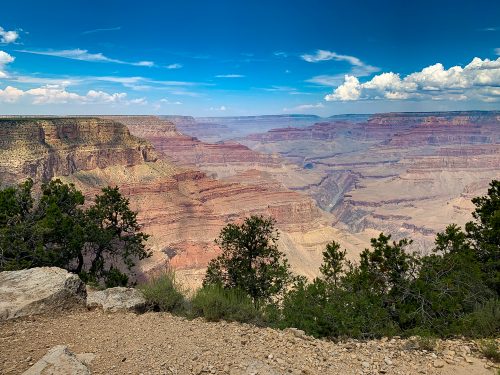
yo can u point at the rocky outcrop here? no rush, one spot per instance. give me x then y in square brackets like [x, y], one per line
[189, 151]
[47, 147]
[39, 290]
[116, 299]
[59, 361]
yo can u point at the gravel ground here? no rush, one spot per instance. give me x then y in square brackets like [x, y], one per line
[159, 343]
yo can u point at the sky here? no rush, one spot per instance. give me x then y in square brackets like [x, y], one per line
[227, 58]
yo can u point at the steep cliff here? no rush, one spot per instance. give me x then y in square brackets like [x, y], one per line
[47, 147]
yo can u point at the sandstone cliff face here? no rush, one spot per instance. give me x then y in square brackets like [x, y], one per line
[44, 148]
[189, 151]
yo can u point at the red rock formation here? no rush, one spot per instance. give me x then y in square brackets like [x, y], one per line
[189, 151]
[182, 209]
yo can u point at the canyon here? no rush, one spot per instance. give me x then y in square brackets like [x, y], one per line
[183, 209]
[407, 174]
[345, 178]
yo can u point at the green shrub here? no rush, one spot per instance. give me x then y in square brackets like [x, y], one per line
[163, 293]
[424, 342]
[484, 321]
[490, 349]
[321, 311]
[215, 303]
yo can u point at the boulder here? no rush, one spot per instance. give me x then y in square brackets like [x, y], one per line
[39, 290]
[59, 361]
[116, 299]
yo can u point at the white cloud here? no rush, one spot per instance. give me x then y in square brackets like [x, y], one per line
[323, 55]
[327, 80]
[166, 101]
[101, 30]
[304, 107]
[358, 67]
[349, 90]
[57, 94]
[10, 94]
[229, 76]
[50, 94]
[142, 63]
[174, 66]
[479, 80]
[497, 51]
[280, 54]
[221, 108]
[5, 59]
[85, 55]
[104, 97]
[7, 37]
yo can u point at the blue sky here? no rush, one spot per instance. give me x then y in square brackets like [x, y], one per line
[218, 58]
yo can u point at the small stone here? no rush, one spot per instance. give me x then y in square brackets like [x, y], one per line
[387, 361]
[438, 363]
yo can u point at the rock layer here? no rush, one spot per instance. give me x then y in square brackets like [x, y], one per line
[409, 174]
[182, 209]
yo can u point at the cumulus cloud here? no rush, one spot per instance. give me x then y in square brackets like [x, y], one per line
[10, 94]
[229, 76]
[497, 51]
[479, 80]
[85, 55]
[5, 59]
[58, 94]
[7, 37]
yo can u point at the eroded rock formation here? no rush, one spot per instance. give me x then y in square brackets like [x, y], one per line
[182, 209]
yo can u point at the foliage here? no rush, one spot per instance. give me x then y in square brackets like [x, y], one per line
[490, 349]
[250, 260]
[55, 230]
[163, 293]
[112, 235]
[215, 303]
[484, 234]
[333, 262]
[484, 321]
[452, 291]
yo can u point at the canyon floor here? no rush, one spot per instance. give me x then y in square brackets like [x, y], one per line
[159, 343]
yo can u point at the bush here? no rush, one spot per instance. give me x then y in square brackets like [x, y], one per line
[424, 342]
[321, 311]
[53, 228]
[215, 303]
[250, 260]
[490, 349]
[163, 293]
[484, 321]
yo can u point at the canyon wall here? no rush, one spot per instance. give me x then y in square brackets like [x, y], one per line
[409, 174]
[181, 208]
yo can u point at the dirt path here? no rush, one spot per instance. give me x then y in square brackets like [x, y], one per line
[157, 343]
